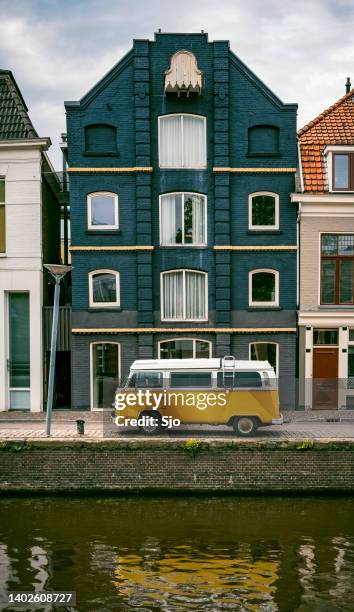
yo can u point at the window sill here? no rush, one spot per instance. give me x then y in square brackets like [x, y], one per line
[265, 232]
[263, 154]
[260, 308]
[101, 154]
[184, 320]
[100, 232]
[181, 168]
[3, 255]
[104, 309]
[336, 306]
[184, 246]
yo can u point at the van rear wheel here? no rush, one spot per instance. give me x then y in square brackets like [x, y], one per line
[245, 426]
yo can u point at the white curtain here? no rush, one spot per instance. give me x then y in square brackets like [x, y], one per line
[172, 288]
[198, 220]
[171, 218]
[194, 142]
[195, 295]
[170, 139]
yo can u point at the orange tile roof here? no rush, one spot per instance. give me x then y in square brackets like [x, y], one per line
[335, 126]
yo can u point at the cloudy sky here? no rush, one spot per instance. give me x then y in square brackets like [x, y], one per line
[58, 49]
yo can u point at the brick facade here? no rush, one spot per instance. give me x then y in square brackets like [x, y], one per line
[131, 98]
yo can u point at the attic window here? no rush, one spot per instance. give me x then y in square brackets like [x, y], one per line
[183, 75]
[101, 139]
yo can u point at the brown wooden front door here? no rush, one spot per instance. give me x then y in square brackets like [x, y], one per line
[325, 378]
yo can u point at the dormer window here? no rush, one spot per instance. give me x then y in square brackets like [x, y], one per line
[343, 171]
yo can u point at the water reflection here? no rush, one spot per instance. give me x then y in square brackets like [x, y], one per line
[247, 554]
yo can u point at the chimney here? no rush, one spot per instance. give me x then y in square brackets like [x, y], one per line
[348, 85]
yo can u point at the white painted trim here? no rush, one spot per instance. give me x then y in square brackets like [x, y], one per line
[34, 143]
[333, 197]
[184, 270]
[104, 304]
[194, 340]
[265, 342]
[250, 276]
[91, 369]
[300, 166]
[89, 210]
[338, 149]
[159, 120]
[276, 204]
[183, 244]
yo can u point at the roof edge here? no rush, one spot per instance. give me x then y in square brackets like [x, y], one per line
[325, 113]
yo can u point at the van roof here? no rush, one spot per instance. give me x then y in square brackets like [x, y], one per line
[196, 364]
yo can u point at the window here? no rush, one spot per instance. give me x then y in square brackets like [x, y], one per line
[190, 380]
[146, 380]
[2, 217]
[240, 380]
[105, 373]
[104, 288]
[19, 349]
[183, 219]
[182, 141]
[263, 210]
[343, 171]
[263, 140]
[265, 351]
[102, 211]
[325, 336]
[350, 367]
[184, 295]
[101, 139]
[337, 269]
[264, 288]
[184, 348]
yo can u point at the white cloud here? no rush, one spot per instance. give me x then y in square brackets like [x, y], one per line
[57, 50]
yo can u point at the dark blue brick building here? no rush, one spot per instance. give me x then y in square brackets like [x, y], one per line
[181, 164]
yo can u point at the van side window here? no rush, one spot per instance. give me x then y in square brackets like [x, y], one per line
[241, 380]
[146, 380]
[182, 380]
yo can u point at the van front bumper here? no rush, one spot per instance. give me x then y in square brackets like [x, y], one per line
[279, 421]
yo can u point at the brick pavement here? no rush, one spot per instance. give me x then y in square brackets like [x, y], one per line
[97, 430]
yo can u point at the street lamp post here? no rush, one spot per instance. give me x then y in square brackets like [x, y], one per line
[58, 272]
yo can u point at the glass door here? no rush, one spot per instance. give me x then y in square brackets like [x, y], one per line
[19, 350]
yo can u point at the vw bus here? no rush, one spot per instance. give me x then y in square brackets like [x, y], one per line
[165, 393]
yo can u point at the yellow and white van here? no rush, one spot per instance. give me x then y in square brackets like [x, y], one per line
[171, 392]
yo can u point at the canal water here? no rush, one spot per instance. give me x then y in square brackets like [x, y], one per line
[218, 553]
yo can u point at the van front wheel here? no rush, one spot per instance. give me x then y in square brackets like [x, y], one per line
[151, 423]
[245, 426]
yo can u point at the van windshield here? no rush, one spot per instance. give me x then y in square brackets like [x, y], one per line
[146, 380]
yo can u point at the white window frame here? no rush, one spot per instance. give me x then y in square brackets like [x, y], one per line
[194, 340]
[250, 201]
[90, 225]
[182, 115]
[184, 270]
[250, 278]
[3, 179]
[183, 244]
[104, 304]
[276, 353]
[91, 369]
